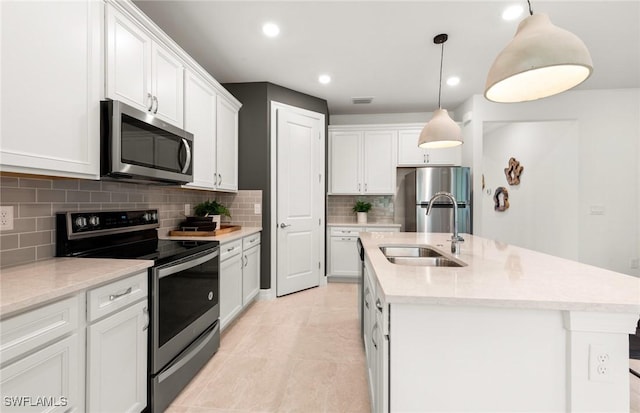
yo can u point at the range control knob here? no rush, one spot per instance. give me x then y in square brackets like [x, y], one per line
[94, 220]
[154, 216]
[146, 217]
[80, 222]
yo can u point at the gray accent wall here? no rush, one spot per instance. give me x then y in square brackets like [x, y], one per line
[254, 148]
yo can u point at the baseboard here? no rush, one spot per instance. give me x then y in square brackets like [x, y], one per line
[267, 294]
[342, 279]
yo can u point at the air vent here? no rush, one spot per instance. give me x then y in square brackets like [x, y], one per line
[365, 100]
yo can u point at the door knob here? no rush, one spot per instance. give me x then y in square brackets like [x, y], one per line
[283, 225]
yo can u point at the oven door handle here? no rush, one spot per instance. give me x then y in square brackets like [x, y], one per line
[166, 271]
[189, 353]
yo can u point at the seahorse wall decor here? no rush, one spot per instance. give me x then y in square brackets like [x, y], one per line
[501, 199]
[513, 171]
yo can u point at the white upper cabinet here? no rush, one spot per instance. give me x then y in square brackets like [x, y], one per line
[409, 154]
[227, 145]
[52, 84]
[200, 119]
[362, 161]
[141, 72]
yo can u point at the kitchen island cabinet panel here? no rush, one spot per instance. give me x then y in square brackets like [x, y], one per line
[52, 69]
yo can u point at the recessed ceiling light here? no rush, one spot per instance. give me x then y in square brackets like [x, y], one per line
[270, 29]
[512, 12]
[324, 79]
[453, 81]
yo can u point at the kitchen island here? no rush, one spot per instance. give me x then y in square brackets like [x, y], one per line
[510, 330]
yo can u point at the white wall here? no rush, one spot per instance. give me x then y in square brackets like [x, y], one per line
[380, 118]
[608, 123]
[543, 208]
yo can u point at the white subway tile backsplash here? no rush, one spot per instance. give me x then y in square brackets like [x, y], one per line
[36, 202]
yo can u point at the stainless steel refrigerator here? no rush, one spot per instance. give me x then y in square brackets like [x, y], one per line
[422, 184]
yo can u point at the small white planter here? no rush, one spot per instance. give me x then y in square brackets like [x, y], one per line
[217, 219]
[361, 217]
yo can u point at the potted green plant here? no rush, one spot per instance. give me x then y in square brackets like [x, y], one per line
[361, 208]
[212, 209]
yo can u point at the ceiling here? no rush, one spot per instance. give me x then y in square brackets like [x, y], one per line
[384, 49]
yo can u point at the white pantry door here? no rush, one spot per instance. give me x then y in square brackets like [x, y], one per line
[300, 199]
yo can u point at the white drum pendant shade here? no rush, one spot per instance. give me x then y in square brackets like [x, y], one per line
[440, 132]
[541, 60]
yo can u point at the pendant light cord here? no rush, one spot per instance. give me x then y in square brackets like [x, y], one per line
[440, 84]
[530, 10]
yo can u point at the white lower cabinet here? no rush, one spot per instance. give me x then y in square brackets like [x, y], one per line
[230, 281]
[376, 339]
[117, 346]
[344, 262]
[42, 353]
[239, 276]
[251, 268]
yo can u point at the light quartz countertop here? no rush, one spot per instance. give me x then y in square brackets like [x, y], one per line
[228, 237]
[368, 224]
[499, 275]
[30, 285]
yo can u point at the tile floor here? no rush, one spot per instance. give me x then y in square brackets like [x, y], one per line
[299, 353]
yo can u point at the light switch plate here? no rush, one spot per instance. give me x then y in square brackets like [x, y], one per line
[257, 208]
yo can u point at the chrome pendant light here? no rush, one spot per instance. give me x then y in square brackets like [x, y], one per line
[441, 131]
[541, 60]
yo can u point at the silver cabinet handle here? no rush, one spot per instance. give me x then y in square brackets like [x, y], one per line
[366, 294]
[283, 225]
[358, 187]
[365, 187]
[428, 158]
[145, 311]
[155, 99]
[219, 179]
[231, 249]
[245, 260]
[378, 305]
[115, 296]
[150, 97]
[424, 158]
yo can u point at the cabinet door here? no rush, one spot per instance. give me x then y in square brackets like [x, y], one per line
[227, 144]
[230, 289]
[345, 163]
[52, 84]
[200, 119]
[409, 154]
[128, 61]
[52, 372]
[251, 274]
[344, 259]
[117, 361]
[167, 74]
[380, 162]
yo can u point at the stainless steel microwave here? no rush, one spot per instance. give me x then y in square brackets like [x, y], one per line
[138, 147]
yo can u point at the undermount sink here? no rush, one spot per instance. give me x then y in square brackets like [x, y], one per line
[420, 256]
[409, 251]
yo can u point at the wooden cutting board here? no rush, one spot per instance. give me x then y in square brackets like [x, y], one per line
[224, 229]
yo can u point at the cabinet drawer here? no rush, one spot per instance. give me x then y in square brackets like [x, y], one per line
[230, 249]
[25, 332]
[119, 294]
[383, 229]
[346, 231]
[251, 241]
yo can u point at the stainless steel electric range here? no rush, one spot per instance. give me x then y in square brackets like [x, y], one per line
[184, 328]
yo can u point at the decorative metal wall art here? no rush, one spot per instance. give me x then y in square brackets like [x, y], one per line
[513, 172]
[501, 199]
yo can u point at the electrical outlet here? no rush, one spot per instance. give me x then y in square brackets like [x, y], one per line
[599, 363]
[6, 218]
[187, 209]
[634, 263]
[257, 209]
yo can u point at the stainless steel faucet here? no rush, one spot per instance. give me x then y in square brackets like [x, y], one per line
[455, 238]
